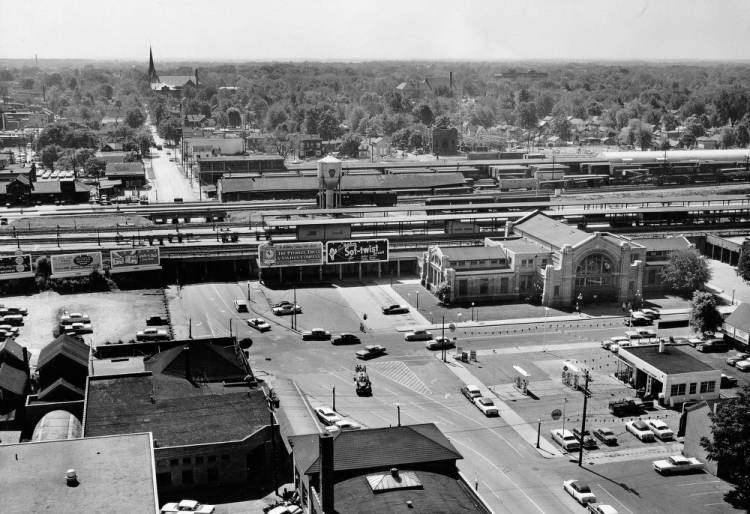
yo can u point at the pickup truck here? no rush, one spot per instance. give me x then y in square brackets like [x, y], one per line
[677, 464]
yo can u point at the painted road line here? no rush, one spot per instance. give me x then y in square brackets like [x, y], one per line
[615, 499]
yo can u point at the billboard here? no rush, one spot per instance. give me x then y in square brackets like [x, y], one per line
[133, 259]
[74, 264]
[357, 250]
[15, 266]
[290, 254]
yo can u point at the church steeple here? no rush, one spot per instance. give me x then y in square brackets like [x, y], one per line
[152, 75]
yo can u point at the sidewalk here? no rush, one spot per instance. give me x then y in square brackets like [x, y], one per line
[516, 422]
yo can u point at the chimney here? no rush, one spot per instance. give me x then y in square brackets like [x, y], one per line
[451, 79]
[188, 372]
[661, 345]
[326, 473]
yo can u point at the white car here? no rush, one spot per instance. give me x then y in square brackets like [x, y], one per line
[660, 429]
[347, 424]
[599, 508]
[566, 439]
[580, 491]
[640, 429]
[187, 506]
[677, 464]
[259, 324]
[743, 365]
[487, 406]
[327, 416]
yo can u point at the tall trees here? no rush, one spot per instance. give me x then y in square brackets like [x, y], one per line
[135, 118]
[525, 115]
[686, 271]
[704, 317]
[729, 444]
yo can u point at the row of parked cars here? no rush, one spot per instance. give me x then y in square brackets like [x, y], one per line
[483, 403]
[10, 319]
[644, 430]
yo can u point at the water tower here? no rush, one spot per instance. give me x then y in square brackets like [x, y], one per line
[329, 182]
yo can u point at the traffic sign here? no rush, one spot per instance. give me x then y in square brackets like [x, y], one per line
[556, 414]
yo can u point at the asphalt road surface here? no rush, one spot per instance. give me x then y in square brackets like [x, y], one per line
[167, 181]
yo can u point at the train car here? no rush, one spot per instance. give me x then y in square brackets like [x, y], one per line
[378, 198]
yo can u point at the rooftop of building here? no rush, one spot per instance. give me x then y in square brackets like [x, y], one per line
[523, 246]
[115, 475]
[427, 491]
[66, 345]
[663, 244]
[469, 253]
[124, 168]
[672, 361]
[377, 448]
[553, 232]
[118, 366]
[12, 379]
[11, 347]
[740, 318]
[176, 411]
[56, 425]
[222, 158]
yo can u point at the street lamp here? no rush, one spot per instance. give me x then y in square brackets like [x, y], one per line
[472, 311]
[417, 300]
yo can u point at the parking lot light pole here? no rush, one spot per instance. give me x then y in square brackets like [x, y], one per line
[583, 418]
[538, 431]
[417, 300]
[334, 397]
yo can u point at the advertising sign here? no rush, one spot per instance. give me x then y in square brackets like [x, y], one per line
[133, 259]
[15, 266]
[73, 264]
[357, 250]
[290, 254]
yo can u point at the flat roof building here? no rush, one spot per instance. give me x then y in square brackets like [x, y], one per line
[670, 374]
[115, 474]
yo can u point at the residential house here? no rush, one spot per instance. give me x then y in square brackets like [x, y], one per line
[65, 358]
[737, 326]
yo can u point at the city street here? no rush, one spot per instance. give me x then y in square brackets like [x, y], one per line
[412, 385]
[167, 181]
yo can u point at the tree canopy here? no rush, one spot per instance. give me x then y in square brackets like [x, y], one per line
[704, 317]
[729, 445]
[686, 271]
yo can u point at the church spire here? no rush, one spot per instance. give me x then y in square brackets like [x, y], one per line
[152, 75]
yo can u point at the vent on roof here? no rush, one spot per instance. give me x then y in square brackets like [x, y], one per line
[393, 480]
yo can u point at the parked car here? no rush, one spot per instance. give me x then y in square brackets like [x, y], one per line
[259, 324]
[660, 429]
[152, 334]
[440, 343]
[647, 333]
[601, 508]
[327, 416]
[156, 320]
[694, 341]
[639, 429]
[286, 309]
[347, 424]
[471, 392]
[13, 310]
[316, 334]
[187, 507]
[728, 381]
[743, 365]
[614, 341]
[418, 335]
[676, 464]
[712, 345]
[346, 338]
[370, 352]
[739, 356]
[565, 439]
[12, 319]
[651, 313]
[241, 306]
[585, 439]
[74, 316]
[395, 309]
[637, 319]
[580, 491]
[487, 406]
[605, 435]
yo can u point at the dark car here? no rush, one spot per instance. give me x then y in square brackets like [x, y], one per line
[155, 321]
[587, 441]
[606, 436]
[346, 338]
[395, 309]
[728, 381]
[316, 334]
[712, 345]
[638, 319]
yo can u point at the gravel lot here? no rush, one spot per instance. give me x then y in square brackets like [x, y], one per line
[115, 315]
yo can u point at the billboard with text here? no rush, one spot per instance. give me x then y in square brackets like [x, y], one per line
[290, 254]
[15, 266]
[133, 259]
[75, 264]
[357, 250]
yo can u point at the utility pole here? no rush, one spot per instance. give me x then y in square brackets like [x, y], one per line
[583, 420]
[442, 342]
[294, 310]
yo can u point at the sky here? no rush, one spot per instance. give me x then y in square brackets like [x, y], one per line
[356, 30]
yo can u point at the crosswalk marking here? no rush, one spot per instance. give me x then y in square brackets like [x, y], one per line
[401, 374]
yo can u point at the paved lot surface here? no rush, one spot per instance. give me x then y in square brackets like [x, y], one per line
[411, 382]
[132, 308]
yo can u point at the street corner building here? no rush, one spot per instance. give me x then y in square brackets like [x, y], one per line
[546, 259]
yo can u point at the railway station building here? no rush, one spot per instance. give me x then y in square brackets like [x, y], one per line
[541, 258]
